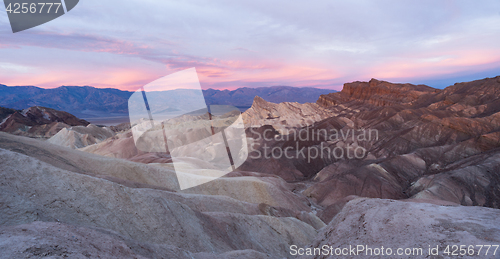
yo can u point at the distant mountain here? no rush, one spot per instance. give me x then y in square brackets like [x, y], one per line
[86, 101]
[73, 99]
[243, 97]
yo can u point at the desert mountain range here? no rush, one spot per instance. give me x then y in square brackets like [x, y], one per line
[429, 175]
[87, 102]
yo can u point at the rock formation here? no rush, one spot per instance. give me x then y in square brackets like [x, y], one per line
[375, 223]
[441, 146]
[39, 122]
[80, 136]
[284, 116]
[379, 93]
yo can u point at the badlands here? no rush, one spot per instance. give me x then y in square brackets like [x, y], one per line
[429, 177]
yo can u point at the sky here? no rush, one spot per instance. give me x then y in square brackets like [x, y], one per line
[323, 43]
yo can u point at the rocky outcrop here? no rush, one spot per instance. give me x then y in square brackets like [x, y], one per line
[470, 99]
[375, 223]
[41, 115]
[39, 122]
[284, 116]
[80, 136]
[290, 159]
[378, 93]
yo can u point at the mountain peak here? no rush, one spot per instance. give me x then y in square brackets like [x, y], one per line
[378, 92]
[258, 101]
[374, 82]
